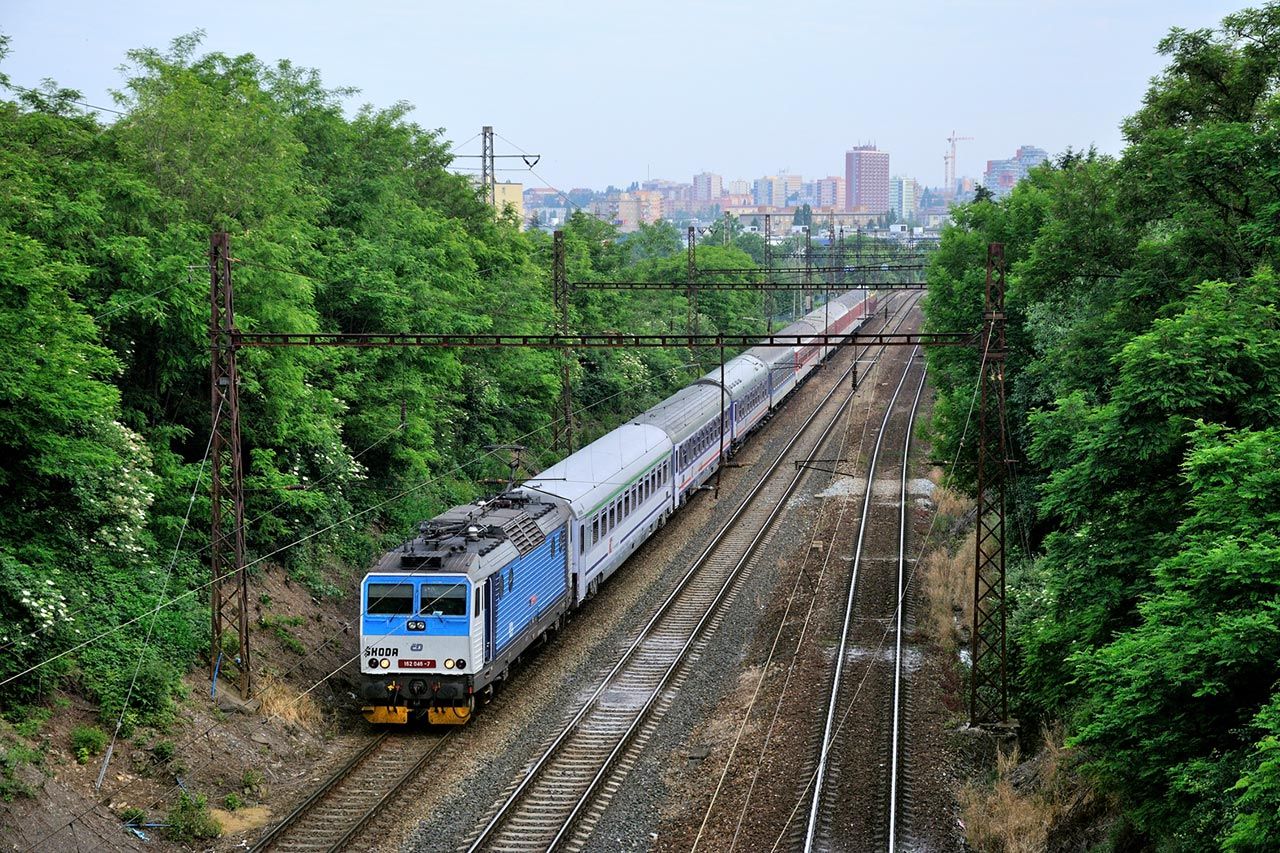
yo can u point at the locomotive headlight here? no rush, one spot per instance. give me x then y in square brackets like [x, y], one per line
[460, 663]
[385, 663]
[448, 664]
[373, 663]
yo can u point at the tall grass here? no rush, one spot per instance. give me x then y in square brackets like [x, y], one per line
[285, 703]
[1015, 816]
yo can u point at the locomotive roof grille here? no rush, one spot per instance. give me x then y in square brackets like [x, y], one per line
[476, 528]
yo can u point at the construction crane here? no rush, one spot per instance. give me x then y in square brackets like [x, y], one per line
[949, 162]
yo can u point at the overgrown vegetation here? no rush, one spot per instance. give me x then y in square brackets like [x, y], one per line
[1145, 396]
[190, 820]
[339, 221]
[87, 741]
[12, 759]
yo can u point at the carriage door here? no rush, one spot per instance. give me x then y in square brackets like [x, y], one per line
[488, 619]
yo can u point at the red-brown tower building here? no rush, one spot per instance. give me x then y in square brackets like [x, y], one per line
[866, 179]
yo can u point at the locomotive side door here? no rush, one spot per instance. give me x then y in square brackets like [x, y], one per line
[487, 595]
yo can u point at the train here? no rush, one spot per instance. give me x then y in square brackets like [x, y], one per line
[444, 616]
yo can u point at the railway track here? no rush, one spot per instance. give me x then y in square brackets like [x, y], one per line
[334, 814]
[561, 795]
[856, 784]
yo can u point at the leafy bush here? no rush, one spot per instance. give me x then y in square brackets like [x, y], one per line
[190, 820]
[29, 720]
[133, 816]
[251, 781]
[163, 750]
[87, 741]
[232, 802]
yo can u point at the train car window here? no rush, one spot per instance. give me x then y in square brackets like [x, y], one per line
[582, 538]
[595, 530]
[626, 504]
[390, 599]
[477, 610]
[444, 599]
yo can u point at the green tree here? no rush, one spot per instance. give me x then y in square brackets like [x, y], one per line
[1143, 334]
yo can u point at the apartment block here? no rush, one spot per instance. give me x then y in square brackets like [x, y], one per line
[866, 176]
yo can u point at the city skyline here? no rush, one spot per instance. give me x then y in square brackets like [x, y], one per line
[902, 78]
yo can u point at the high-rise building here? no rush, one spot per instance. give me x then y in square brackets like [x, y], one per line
[791, 187]
[707, 187]
[636, 207]
[1001, 175]
[904, 196]
[770, 191]
[866, 179]
[829, 191]
[738, 188]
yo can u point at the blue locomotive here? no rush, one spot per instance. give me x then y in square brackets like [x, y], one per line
[444, 616]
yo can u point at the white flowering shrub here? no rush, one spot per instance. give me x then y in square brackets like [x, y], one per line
[118, 498]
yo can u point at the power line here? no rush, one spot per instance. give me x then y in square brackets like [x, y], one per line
[310, 653]
[55, 98]
[458, 145]
[164, 588]
[458, 468]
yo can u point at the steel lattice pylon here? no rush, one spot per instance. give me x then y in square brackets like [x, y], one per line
[229, 593]
[988, 693]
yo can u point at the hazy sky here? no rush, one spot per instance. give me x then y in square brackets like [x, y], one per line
[613, 92]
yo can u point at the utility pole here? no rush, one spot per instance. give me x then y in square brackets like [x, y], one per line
[806, 301]
[691, 293]
[768, 265]
[560, 295]
[488, 170]
[840, 259]
[989, 695]
[229, 591]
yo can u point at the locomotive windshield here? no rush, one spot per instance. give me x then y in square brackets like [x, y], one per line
[444, 599]
[390, 599]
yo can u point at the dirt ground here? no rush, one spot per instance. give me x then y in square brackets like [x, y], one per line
[252, 757]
